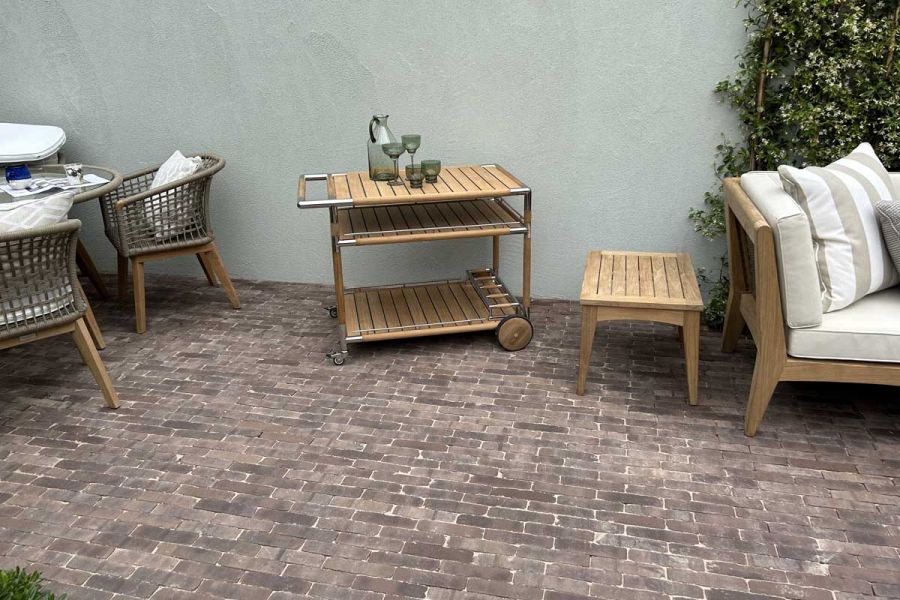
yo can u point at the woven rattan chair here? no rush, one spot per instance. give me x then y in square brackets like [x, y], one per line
[40, 296]
[164, 222]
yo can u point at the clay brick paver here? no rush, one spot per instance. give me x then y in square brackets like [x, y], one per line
[242, 464]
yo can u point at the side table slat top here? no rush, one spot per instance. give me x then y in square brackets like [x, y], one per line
[454, 183]
[641, 280]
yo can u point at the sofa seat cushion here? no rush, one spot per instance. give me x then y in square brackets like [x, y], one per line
[868, 330]
[797, 271]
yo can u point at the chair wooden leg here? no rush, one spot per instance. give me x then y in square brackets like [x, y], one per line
[94, 363]
[86, 264]
[588, 329]
[766, 374]
[734, 322]
[91, 321]
[215, 261]
[690, 333]
[140, 308]
[122, 275]
[208, 269]
[94, 328]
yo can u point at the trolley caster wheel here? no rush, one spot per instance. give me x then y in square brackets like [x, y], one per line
[332, 311]
[514, 333]
[337, 358]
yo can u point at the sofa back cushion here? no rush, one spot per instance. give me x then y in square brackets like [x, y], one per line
[889, 217]
[797, 272]
[840, 202]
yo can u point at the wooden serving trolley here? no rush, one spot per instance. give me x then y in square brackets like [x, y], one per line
[465, 202]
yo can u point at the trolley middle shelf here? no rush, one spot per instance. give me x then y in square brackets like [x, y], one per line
[477, 303]
[398, 223]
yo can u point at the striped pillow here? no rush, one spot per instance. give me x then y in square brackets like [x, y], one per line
[840, 202]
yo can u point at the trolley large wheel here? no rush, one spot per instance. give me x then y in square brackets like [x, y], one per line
[514, 333]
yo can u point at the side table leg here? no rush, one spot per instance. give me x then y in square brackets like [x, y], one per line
[83, 259]
[691, 336]
[588, 328]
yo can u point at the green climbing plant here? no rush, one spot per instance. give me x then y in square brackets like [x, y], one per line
[17, 584]
[815, 79]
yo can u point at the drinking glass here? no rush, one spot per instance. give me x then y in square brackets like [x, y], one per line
[394, 150]
[414, 175]
[74, 173]
[431, 169]
[411, 144]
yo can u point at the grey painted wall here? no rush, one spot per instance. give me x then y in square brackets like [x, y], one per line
[603, 107]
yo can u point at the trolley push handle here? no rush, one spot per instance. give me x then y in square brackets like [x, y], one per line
[302, 201]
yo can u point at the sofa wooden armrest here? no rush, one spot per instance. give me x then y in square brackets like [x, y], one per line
[755, 301]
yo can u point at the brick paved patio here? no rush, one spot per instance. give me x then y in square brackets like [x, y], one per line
[243, 465]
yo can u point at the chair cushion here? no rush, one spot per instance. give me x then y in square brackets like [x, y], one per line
[839, 201]
[15, 312]
[32, 213]
[868, 330]
[799, 278]
[157, 208]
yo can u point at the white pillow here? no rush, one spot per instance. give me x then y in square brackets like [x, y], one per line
[32, 213]
[178, 166]
[840, 202]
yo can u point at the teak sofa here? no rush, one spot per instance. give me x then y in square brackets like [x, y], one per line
[775, 292]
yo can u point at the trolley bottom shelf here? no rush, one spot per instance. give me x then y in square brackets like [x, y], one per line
[477, 303]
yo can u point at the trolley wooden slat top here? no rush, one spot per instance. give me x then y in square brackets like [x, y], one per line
[454, 183]
[641, 280]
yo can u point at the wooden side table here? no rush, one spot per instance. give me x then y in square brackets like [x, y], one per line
[641, 286]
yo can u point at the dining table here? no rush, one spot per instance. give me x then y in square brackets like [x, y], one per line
[113, 179]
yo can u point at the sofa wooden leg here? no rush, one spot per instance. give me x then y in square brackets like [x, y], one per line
[734, 323]
[766, 374]
[140, 306]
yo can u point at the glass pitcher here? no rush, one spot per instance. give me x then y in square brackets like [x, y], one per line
[381, 166]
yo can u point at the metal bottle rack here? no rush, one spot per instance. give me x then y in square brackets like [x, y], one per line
[465, 202]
